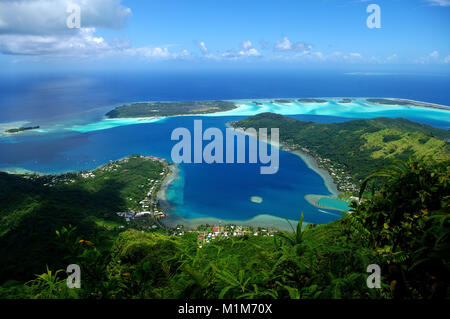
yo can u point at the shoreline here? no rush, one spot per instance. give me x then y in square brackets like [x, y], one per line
[258, 220]
[428, 104]
[312, 164]
[161, 196]
[309, 160]
[21, 171]
[151, 119]
[262, 220]
[172, 219]
[313, 199]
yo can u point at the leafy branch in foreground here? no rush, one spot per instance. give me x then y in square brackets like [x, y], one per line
[407, 224]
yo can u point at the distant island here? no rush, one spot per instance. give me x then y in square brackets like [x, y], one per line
[281, 101]
[158, 109]
[351, 150]
[403, 102]
[312, 101]
[21, 129]
[165, 109]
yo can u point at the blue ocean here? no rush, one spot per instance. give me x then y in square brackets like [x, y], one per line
[74, 136]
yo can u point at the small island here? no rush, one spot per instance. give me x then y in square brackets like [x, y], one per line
[404, 102]
[282, 101]
[315, 101]
[160, 109]
[256, 199]
[345, 101]
[21, 129]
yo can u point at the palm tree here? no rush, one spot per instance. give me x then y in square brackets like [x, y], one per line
[296, 238]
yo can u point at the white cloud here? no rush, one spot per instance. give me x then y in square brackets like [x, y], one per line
[447, 59]
[246, 45]
[355, 55]
[149, 52]
[319, 56]
[250, 52]
[334, 57]
[202, 47]
[442, 3]
[31, 27]
[434, 55]
[38, 28]
[48, 17]
[284, 45]
[392, 58]
[248, 49]
[80, 44]
[287, 45]
[155, 53]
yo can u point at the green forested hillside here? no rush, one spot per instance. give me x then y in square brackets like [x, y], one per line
[403, 227]
[360, 146]
[33, 207]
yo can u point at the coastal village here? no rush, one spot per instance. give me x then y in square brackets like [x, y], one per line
[151, 217]
[138, 207]
[341, 179]
[208, 233]
[147, 215]
[149, 205]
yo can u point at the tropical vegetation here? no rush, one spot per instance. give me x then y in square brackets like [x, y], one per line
[402, 226]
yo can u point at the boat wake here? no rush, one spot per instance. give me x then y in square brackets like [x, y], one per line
[324, 212]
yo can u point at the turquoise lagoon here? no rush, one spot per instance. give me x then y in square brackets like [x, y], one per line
[201, 191]
[358, 108]
[334, 203]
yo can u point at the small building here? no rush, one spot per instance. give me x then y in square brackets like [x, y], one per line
[142, 214]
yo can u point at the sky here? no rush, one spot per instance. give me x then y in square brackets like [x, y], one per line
[138, 34]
